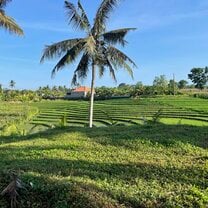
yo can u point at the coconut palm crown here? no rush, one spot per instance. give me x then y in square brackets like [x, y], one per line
[7, 22]
[97, 49]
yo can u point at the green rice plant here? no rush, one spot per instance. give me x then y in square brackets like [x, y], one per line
[156, 117]
[63, 121]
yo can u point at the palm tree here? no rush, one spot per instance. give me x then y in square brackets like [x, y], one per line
[96, 49]
[12, 84]
[7, 22]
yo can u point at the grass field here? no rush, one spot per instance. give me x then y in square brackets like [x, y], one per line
[136, 166]
[14, 114]
[126, 162]
[125, 112]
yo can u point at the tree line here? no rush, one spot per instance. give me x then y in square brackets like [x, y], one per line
[160, 86]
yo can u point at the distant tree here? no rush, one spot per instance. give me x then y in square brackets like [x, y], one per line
[60, 88]
[122, 85]
[1, 90]
[97, 48]
[54, 88]
[138, 89]
[7, 22]
[104, 92]
[12, 84]
[160, 84]
[47, 87]
[182, 84]
[199, 76]
[173, 87]
[139, 85]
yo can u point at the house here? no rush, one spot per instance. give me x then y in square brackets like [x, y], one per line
[79, 92]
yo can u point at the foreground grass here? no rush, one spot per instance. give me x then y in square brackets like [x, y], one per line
[137, 166]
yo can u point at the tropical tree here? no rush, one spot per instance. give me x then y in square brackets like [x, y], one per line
[173, 86]
[199, 76]
[182, 84]
[7, 22]
[160, 84]
[12, 84]
[96, 48]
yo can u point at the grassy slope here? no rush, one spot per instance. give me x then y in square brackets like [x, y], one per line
[138, 166]
[175, 110]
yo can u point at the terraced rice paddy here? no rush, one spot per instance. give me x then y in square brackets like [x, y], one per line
[131, 166]
[125, 112]
[12, 112]
[194, 104]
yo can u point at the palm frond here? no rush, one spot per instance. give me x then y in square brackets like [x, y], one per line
[9, 24]
[83, 67]
[3, 3]
[120, 60]
[77, 20]
[128, 69]
[74, 80]
[68, 58]
[58, 49]
[116, 36]
[112, 71]
[102, 15]
[118, 56]
[101, 70]
[84, 16]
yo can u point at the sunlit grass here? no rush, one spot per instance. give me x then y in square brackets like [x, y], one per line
[150, 166]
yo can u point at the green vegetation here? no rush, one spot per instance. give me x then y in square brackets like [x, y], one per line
[7, 22]
[149, 152]
[138, 166]
[14, 116]
[184, 110]
[199, 77]
[185, 102]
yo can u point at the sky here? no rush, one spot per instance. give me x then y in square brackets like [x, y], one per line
[171, 38]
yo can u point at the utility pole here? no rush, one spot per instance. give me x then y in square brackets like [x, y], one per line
[174, 84]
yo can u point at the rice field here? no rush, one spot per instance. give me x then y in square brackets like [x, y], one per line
[126, 165]
[168, 110]
[13, 112]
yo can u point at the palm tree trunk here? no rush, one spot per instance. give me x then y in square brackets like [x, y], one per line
[92, 96]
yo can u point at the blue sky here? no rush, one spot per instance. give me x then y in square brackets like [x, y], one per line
[172, 37]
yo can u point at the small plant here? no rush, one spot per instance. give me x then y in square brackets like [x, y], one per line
[63, 121]
[11, 190]
[156, 117]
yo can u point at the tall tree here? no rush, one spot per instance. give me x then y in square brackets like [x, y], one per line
[96, 48]
[199, 76]
[173, 87]
[160, 84]
[6, 22]
[12, 84]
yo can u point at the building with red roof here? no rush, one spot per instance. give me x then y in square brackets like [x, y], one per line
[79, 92]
